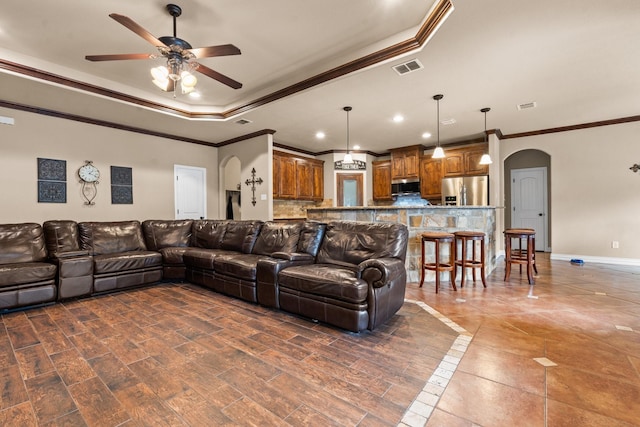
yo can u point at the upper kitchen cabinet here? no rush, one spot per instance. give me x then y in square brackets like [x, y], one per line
[381, 174]
[284, 177]
[431, 178]
[465, 161]
[405, 162]
[297, 178]
[472, 164]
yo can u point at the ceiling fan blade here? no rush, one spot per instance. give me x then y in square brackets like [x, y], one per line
[133, 26]
[119, 57]
[222, 50]
[219, 77]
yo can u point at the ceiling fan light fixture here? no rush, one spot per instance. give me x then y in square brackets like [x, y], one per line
[188, 79]
[160, 73]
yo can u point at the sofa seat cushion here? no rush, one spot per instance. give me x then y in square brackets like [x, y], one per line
[27, 272]
[203, 258]
[134, 260]
[174, 255]
[242, 266]
[327, 280]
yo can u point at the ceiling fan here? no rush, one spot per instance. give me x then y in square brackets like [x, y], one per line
[181, 57]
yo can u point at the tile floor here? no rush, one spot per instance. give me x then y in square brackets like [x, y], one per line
[565, 352]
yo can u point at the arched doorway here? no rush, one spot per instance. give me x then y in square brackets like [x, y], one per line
[527, 194]
[231, 188]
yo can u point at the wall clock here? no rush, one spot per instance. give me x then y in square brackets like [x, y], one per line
[89, 175]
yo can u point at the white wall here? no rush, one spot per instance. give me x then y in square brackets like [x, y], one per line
[595, 198]
[151, 159]
[253, 153]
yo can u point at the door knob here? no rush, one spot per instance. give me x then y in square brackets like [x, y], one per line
[540, 214]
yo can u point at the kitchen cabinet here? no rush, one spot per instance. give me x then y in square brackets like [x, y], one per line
[472, 164]
[405, 162]
[381, 175]
[297, 178]
[465, 161]
[431, 173]
[317, 172]
[453, 163]
[284, 183]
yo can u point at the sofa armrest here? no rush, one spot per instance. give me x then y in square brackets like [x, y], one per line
[75, 273]
[267, 288]
[379, 272]
[68, 254]
[301, 257]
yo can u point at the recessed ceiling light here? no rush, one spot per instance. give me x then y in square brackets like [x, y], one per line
[448, 121]
[398, 118]
[356, 147]
[320, 135]
[195, 95]
[426, 135]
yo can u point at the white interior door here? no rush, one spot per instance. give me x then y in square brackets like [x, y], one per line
[529, 202]
[190, 192]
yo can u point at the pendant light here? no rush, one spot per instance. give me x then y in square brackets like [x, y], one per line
[438, 153]
[347, 157]
[486, 158]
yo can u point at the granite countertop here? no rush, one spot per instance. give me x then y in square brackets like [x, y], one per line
[360, 208]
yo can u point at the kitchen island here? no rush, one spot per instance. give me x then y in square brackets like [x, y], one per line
[419, 219]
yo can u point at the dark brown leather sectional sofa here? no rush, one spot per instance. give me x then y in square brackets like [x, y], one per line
[347, 274]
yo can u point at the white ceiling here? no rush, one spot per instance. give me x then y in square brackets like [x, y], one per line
[578, 60]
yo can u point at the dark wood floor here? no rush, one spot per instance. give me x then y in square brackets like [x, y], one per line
[178, 354]
[563, 352]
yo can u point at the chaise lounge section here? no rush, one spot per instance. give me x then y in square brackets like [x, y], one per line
[358, 280]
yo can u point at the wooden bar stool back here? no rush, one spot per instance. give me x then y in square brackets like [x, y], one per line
[522, 255]
[470, 260]
[438, 266]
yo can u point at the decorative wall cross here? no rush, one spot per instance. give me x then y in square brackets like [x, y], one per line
[252, 182]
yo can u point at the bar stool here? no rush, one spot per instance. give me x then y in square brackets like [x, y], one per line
[520, 255]
[470, 260]
[439, 238]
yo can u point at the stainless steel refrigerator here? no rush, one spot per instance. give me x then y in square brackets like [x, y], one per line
[466, 191]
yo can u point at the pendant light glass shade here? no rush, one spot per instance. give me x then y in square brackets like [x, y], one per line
[486, 158]
[347, 157]
[438, 153]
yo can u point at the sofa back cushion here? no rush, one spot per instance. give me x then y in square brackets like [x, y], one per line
[160, 234]
[22, 243]
[208, 233]
[61, 236]
[240, 236]
[311, 236]
[278, 237]
[353, 242]
[101, 238]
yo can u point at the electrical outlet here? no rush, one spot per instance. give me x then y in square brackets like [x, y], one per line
[615, 244]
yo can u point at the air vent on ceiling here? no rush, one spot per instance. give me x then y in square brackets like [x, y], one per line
[527, 105]
[407, 67]
[243, 121]
[448, 121]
